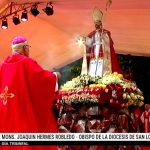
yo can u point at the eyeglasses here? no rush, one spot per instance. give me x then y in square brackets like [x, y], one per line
[27, 46]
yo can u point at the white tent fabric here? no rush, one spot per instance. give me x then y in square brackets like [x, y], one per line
[53, 38]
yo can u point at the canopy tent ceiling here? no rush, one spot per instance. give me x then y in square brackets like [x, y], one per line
[53, 38]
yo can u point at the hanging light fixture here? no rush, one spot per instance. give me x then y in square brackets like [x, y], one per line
[24, 16]
[16, 19]
[49, 9]
[14, 8]
[34, 10]
[4, 23]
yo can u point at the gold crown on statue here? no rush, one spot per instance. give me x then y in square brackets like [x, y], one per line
[97, 14]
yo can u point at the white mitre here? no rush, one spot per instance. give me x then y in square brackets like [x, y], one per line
[97, 14]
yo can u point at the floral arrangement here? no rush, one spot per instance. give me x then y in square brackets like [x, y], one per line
[111, 88]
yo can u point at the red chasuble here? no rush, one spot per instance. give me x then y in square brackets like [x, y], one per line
[26, 94]
[115, 67]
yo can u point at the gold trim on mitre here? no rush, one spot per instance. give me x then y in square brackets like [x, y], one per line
[97, 14]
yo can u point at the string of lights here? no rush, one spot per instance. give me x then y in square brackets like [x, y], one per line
[13, 9]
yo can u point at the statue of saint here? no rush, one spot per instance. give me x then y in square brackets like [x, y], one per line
[101, 57]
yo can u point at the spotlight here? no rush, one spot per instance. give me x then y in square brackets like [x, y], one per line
[34, 10]
[4, 23]
[49, 9]
[16, 19]
[24, 16]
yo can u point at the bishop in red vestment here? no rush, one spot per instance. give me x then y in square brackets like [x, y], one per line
[26, 94]
[101, 54]
[113, 58]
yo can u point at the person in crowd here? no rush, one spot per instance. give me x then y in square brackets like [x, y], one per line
[145, 118]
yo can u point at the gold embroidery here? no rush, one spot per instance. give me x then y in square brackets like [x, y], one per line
[5, 95]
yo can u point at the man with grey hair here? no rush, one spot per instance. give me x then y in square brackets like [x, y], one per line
[20, 45]
[26, 94]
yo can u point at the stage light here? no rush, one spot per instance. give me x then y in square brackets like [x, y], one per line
[4, 23]
[24, 16]
[14, 9]
[34, 10]
[49, 9]
[16, 19]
